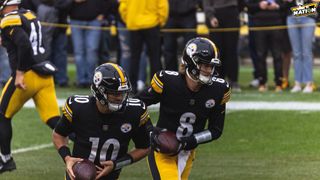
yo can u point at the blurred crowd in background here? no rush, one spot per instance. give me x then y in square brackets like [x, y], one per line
[146, 36]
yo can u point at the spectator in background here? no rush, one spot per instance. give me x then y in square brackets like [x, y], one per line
[301, 39]
[182, 14]
[55, 11]
[225, 14]
[47, 14]
[86, 40]
[267, 13]
[5, 70]
[286, 54]
[125, 55]
[143, 19]
[59, 55]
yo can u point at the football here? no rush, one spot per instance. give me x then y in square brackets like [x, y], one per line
[168, 142]
[84, 170]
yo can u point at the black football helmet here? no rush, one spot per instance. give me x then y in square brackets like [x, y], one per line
[4, 3]
[110, 78]
[200, 51]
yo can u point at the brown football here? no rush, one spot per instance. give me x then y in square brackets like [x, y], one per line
[84, 170]
[168, 142]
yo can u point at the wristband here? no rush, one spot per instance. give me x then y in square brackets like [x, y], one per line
[204, 136]
[124, 161]
[64, 151]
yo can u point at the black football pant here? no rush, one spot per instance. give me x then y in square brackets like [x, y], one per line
[151, 37]
[227, 42]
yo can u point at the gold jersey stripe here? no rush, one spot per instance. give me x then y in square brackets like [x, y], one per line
[158, 80]
[119, 72]
[226, 97]
[12, 20]
[66, 114]
[144, 115]
[29, 15]
[156, 86]
[144, 119]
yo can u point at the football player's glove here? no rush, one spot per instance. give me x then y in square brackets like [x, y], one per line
[154, 141]
[188, 143]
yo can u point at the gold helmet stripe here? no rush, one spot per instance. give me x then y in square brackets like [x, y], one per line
[214, 47]
[119, 72]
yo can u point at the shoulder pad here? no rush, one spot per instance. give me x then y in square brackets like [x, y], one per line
[135, 102]
[224, 85]
[66, 109]
[158, 80]
[11, 20]
[144, 115]
[70, 105]
[29, 15]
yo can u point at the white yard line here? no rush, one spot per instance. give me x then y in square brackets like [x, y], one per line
[32, 148]
[233, 105]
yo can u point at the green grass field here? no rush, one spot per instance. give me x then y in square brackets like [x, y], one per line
[254, 145]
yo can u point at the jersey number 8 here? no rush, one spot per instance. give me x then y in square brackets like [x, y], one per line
[185, 129]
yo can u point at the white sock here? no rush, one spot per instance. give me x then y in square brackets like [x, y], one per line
[6, 158]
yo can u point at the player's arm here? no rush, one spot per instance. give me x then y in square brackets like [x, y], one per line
[11, 27]
[20, 38]
[152, 95]
[215, 125]
[60, 137]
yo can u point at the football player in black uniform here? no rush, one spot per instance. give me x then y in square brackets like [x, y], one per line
[188, 101]
[22, 37]
[104, 124]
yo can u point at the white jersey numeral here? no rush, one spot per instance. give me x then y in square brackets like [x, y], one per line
[110, 143]
[186, 129]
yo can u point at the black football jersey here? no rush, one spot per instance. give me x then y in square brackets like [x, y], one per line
[186, 112]
[22, 36]
[101, 137]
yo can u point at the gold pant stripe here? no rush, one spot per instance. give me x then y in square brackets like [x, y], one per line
[40, 89]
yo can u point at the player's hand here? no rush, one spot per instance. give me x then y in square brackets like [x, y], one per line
[70, 161]
[263, 5]
[108, 166]
[154, 142]
[214, 22]
[188, 143]
[19, 80]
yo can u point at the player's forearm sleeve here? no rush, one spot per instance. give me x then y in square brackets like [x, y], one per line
[216, 122]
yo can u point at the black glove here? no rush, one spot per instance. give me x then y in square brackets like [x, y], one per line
[188, 143]
[154, 141]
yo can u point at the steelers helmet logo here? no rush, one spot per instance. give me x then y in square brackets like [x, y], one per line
[126, 127]
[191, 49]
[97, 78]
